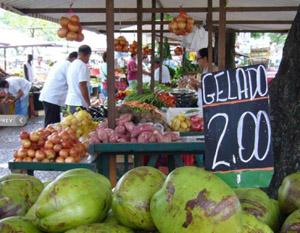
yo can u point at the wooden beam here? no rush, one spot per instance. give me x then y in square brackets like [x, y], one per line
[161, 43]
[139, 47]
[222, 35]
[156, 10]
[209, 28]
[153, 16]
[196, 22]
[111, 81]
[134, 31]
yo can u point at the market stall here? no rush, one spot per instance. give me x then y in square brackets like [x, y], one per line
[230, 16]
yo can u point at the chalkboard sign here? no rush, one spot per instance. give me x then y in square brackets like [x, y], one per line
[236, 118]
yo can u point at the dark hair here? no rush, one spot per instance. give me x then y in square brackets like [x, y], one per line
[104, 56]
[133, 54]
[73, 55]
[3, 83]
[29, 57]
[203, 53]
[85, 49]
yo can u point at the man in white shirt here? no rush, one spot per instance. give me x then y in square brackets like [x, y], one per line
[54, 92]
[18, 88]
[28, 71]
[166, 78]
[78, 78]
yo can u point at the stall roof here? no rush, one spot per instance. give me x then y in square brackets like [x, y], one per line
[244, 15]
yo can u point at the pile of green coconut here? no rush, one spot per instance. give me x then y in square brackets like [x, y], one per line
[188, 200]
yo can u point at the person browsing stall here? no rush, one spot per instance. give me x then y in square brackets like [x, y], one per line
[28, 71]
[132, 71]
[166, 78]
[78, 78]
[18, 89]
[54, 92]
[103, 75]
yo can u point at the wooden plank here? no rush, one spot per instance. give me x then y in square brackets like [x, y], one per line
[136, 148]
[92, 23]
[209, 28]
[152, 46]
[140, 46]
[111, 81]
[161, 42]
[222, 35]
[156, 10]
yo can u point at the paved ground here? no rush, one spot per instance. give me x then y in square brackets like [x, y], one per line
[9, 142]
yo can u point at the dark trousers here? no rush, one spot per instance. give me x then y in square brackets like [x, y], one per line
[52, 113]
[72, 109]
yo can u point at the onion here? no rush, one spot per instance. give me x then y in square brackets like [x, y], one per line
[24, 135]
[80, 37]
[34, 160]
[34, 146]
[67, 144]
[27, 159]
[40, 155]
[62, 32]
[72, 36]
[118, 47]
[70, 160]
[49, 144]
[190, 21]
[73, 152]
[22, 153]
[26, 143]
[45, 161]
[64, 135]
[180, 18]
[34, 136]
[41, 142]
[18, 160]
[173, 26]
[64, 153]
[50, 154]
[64, 21]
[57, 147]
[73, 27]
[181, 25]
[60, 160]
[74, 18]
[31, 153]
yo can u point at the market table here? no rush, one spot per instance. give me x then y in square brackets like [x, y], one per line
[139, 150]
[30, 167]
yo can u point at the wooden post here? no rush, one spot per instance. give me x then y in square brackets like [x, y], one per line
[210, 28]
[139, 48]
[5, 62]
[111, 81]
[153, 47]
[161, 42]
[222, 35]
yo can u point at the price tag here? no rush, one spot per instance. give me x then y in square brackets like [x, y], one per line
[236, 118]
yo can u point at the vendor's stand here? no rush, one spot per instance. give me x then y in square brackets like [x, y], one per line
[110, 11]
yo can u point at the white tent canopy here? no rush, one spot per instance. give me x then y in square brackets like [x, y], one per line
[278, 19]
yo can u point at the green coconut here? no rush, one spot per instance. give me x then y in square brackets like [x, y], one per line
[289, 193]
[132, 196]
[252, 225]
[74, 198]
[292, 223]
[193, 200]
[18, 193]
[17, 225]
[257, 203]
[101, 228]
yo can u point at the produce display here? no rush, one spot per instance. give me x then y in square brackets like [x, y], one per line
[70, 28]
[128, 132]
[168, 99]
[147, 97]
[187, 121]
[188, 200]
[121, 44]
[133, 47]
[50, 145]
[185, 97]
[81, 122]
[182, 24]
[181, 123]
[178, 51]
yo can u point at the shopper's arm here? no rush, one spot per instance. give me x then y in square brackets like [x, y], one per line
[85, 92]
[19, 95]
